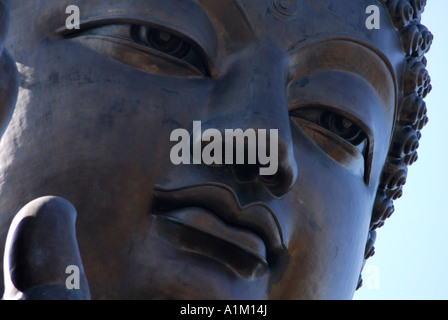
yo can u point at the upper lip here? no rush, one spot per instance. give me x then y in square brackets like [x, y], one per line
[221, 200]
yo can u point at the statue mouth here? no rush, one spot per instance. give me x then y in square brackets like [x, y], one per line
[207, 219]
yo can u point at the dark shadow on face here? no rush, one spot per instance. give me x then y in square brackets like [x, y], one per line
[97, 107]
[9, 80]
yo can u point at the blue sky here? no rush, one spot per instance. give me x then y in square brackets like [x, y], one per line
[411, 259]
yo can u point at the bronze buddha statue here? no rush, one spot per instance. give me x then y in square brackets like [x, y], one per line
[90, 134]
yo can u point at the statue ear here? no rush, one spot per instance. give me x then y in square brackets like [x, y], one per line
[9, 85]
[9, 79]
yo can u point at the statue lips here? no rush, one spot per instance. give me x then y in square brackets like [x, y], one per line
[208, 219]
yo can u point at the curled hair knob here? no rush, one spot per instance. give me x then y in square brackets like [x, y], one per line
[416, 77]
[394, 174]
[382, 209]
[427, 38]
[412, 109]
[411, 158]
[404, 142]
[419, 7]
[413, 41]
[401, 12]
[370, 249]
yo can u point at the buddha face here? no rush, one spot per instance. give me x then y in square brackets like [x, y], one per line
[95, 113]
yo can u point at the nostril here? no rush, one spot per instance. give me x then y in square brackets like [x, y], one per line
[283, 180]
[253, 155]
[245, 173]
[269, 181]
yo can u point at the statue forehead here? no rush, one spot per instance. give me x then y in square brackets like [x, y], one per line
[276, 19]
[286, 23]
[220, 26]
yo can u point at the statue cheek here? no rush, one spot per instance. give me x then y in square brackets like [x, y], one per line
[9, 84]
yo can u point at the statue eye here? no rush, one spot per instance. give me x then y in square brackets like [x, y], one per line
[342, 127]
[341, 136]
[168, 43]
[335, 123]
[161, 40]
[151, 48]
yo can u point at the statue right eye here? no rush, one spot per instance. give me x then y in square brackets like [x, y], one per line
[168, 43]
[150, 48]
[161, 40]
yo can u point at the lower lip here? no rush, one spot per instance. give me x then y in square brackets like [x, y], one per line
[198, 230]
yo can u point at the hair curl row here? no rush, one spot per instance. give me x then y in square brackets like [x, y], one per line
[411, 115]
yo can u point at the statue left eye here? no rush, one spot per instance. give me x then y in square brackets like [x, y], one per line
[333, 122]
[342, 127]
[339, 135]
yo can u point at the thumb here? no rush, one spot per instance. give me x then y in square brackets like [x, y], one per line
[42, 259]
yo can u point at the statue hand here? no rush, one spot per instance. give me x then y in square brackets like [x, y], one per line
[42, 259]
[41, 242]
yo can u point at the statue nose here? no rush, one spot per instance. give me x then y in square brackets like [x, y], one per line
[253, 154]
[250, 116]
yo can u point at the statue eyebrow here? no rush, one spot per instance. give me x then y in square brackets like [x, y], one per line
[355, 56]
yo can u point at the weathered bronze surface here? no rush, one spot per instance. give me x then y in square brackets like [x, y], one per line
[89, 140]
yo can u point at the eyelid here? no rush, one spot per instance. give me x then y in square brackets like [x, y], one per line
[102, 21]
[326, 106]
[321, 105]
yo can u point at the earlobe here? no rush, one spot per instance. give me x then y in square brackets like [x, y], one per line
[9, 85]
